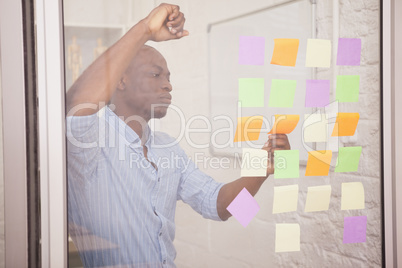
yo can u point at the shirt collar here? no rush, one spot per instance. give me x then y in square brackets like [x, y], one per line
[130, 137]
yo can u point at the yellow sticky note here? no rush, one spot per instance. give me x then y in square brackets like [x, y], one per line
[254, 163]
[285, 198]
[248, 128]
[318, 198]
[285, 52]
[284, 123]
[287, 237]
[315, 128]
[318, 163]
[352, 196]
[318, 53]
[346, 124]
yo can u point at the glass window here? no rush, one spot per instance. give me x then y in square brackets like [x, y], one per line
[167, 139]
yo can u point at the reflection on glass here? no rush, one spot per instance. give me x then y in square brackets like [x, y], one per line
[127, 169]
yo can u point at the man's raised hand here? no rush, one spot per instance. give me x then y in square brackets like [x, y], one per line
[165, 22]
[275, 142]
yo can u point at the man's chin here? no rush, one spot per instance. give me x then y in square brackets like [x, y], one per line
[160, 113]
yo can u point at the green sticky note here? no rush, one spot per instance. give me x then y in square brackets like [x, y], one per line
[348, 159]
[286, 164]
[282, 93]
[347, 88]
[251, 92]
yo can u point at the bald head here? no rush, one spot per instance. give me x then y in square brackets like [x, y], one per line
[145, 55]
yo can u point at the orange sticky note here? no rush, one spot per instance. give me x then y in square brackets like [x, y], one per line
[318, 163]
[284, 123]
[285, 52]
[345, 124]
[248, 128]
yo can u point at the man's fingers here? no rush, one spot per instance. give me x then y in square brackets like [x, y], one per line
[277, 143]
[175, 12]
[177, 25]
[278, 136]
[176, 21]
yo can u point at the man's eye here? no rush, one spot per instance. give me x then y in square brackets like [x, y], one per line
[155, 75]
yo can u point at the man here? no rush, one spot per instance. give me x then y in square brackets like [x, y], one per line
[121, 202]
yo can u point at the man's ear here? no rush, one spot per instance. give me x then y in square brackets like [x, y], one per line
[121, 85]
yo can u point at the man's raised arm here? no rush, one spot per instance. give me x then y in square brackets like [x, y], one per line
[99, 81]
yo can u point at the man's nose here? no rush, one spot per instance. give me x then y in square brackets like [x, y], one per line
[167, 86]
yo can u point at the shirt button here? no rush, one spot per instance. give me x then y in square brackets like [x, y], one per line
[160, 234]
[164, 261]
[159, 179]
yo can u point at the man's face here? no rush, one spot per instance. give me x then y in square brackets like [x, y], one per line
[148, 84]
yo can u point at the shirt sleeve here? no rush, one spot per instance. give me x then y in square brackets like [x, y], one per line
[198, 189]
[82, 141]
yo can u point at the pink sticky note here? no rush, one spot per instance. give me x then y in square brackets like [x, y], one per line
[244, 207]
[317, 93]
[354, 229]
[349, 50]
[251, 50]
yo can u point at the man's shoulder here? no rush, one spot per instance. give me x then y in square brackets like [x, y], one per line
[162, 139]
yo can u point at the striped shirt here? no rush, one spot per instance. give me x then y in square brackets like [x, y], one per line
[121, 208]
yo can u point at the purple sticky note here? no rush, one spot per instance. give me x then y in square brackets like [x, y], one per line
[244, 207]
[354, 229]
[317, 93]
[251, 50]
[349, 50]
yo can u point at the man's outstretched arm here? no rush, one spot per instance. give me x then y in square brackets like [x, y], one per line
[99, 81]
[230, 190]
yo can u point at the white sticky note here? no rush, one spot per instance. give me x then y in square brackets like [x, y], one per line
[254, 163]
[318, 53]
[318, 198]
[352, 196]
[285, 198]
[287, 238]
[315, 128]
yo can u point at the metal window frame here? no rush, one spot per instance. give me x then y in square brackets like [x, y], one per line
[50, 59]
[14, 134]
[392, 131]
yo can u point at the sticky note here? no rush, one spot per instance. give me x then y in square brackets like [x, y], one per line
[282, 93]
[285, 198]
[244, 207]
[318, 163]
[284, 123]
[251, 50]
[318, 53]
[352, 196]
[285, 52]
[345, 124]
[251, 92]
[317, 93]
[254, 163]
[286, 164]
[347, 88]
[349, 51]
[318, 198]
[315, 128]
[354, 229]
[248, 128]
[348, 159]
[287, 237]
